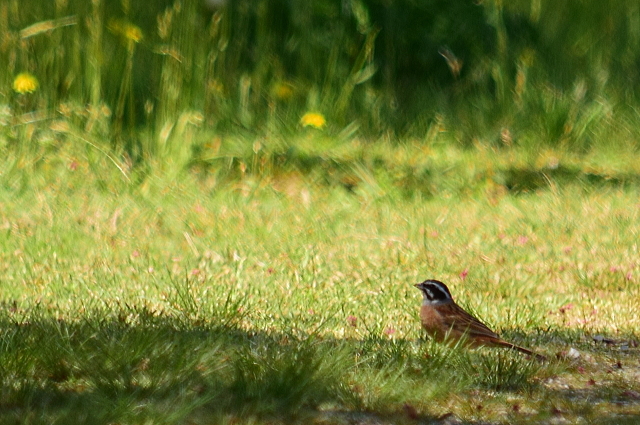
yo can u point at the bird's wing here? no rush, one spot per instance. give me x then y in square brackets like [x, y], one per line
[457, 319]
[454, 317]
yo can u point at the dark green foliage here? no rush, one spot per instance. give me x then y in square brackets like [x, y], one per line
[102, 364]
[529, 73]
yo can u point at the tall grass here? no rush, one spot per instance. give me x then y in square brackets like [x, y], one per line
[156, 83]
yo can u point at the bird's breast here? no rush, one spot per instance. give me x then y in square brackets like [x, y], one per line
[432, 322]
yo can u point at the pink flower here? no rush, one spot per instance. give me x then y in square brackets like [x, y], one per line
[523, 240]
[352, 320]
[464, 273]
[565, 307]
[389, 331]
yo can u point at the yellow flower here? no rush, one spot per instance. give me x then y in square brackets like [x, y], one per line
[282, 91]
[132, 32]
[126, 29]
[25, 83]
[313, 119]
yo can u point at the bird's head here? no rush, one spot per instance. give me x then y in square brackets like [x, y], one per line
[434, 292]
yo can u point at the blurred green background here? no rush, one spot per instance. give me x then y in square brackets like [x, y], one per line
[157, 79]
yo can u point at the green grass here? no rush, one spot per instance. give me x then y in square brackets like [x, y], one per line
[287, 297]
[176, 248]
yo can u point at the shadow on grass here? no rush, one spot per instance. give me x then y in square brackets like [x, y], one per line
[349, 173]
[136, 365]
[522, 180]
[359, 170]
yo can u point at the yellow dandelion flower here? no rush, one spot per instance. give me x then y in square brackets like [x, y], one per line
[282, 91]
[216, 87]
[126, 30]
[25, 83]
[313, 119]
[132, 32]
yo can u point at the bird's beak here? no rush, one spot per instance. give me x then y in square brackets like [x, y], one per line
[417, 285]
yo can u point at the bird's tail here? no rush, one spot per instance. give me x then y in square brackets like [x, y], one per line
[523, 350]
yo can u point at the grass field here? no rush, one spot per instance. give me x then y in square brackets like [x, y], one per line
[286, 297]
[216, 215]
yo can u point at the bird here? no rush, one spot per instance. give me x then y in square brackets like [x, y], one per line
[444, 320]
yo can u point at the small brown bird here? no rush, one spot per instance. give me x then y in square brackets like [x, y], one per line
[443, 319]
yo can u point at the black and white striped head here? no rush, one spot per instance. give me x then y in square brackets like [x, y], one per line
[434, 292]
